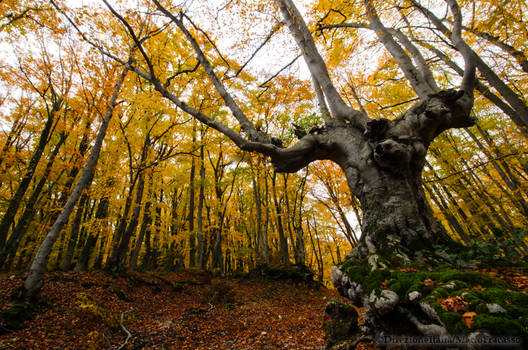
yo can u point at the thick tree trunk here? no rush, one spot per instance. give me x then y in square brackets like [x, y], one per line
[399, 224]
[217, 249]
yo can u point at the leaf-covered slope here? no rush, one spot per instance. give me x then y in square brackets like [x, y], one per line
[181, 311]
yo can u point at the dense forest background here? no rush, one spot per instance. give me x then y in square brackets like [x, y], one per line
[170, 193]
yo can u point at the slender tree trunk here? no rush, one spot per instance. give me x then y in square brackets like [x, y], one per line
[29, 212]
[89, 245]
[222, 204]
[15, 202]
[190, 217]
[83, 147]
[122, 249]
[504, 172]
[147, 220]
[318, 259]
[34, 281]
[199, 215]
[264, 241]
[122, 223]
[72, 241]
[349, 232]
[173, 257]
[14, 134]
[151, 256]
[319, 249]
[12, 137]
[258, 222]
[455, 225]
[283, 243]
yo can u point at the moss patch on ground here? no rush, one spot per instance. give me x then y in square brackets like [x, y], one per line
[452, 293]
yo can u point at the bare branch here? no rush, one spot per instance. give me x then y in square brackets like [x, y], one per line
[413, 75]
[356, 96]
[245, 123]
[183, 71]
[468, 80]
[321, 27]
[340, 110]
[495, 40]
[268, 37]
[279, 72]
[208, 39]
[399, 104]
[128, 334]
[137, 42]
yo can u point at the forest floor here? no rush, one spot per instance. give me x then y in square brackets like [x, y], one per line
[185, 310]
[168, 311]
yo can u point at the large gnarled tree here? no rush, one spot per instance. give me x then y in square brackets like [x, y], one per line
[382, 159]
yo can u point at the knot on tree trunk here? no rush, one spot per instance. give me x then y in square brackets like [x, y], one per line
[442, 103]
[392, 154]
[453, 106]
[376, 129]
[299, 131]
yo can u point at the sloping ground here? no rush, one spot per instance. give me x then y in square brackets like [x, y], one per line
[174, 311]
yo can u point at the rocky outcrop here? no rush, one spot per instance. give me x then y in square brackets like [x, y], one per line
[340, 324]
[427, 303]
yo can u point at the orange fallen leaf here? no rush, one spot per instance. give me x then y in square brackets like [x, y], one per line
[428, 282]
[453, 304]
[467, 318]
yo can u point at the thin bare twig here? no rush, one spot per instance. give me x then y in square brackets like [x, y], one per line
[268, 37]
[129, 335]
[438, 179]
[279, 72]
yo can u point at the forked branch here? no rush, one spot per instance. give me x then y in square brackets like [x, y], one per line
[340, 110]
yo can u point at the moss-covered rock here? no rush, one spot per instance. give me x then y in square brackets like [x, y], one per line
[340, 323]
[15, 315]
[441, 298]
